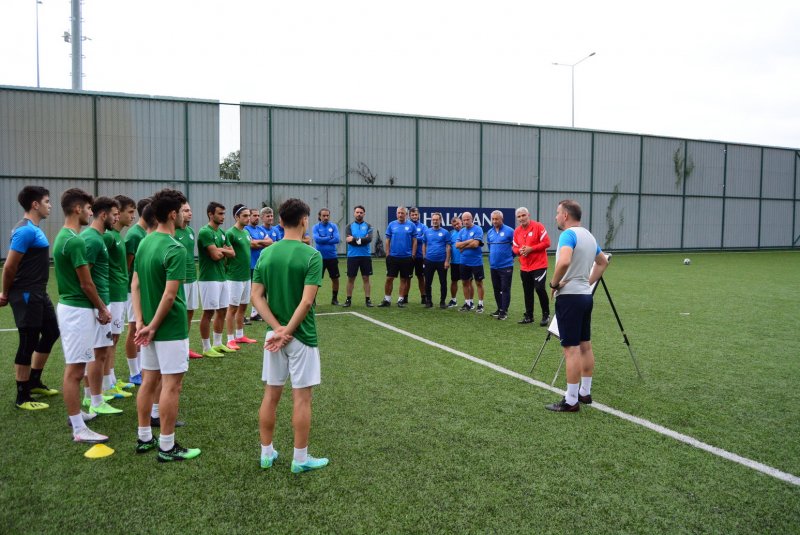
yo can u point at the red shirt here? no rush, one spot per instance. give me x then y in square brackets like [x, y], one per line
[534, 235]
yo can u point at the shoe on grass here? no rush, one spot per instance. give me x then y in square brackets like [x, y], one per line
[87, 402]
[563, 406]
[452, 303]
[246, 321]
[136, 379]
[122, 385]
[545, 321]
[385, 304]
[194, 355]
[466, 307]
[401, 303]
[479, 309]
[257, 317]
[348, 303]
[312, 463]
[177, 453]
[156, 422]
[233, 345]
[105, 408]
[116, 393]
[266, 462]
[222, 348]
[502, 316]
[213, 354]
[245, 340]
[335, 302]
[495, 314]
[42, 390]
[368, 303]
[31, 405]
[87, 436]
[585, 399]
[143, 446]
[442, 305]
[525, 320]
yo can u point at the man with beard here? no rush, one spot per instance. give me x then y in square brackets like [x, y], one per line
[358, 237]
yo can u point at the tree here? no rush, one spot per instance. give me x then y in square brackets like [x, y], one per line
[230, 167]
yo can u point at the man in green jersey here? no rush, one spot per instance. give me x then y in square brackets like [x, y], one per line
[106, 213]
[118, 283]
[161, 330]
[135, 235]
[238, 277]
[285, 283]
[80, 307]
[212, 250]
[185, 235]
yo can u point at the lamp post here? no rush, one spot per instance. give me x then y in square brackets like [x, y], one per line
[572, 69]
[37, 41]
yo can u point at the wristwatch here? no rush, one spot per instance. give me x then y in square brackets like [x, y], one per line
[553, 287]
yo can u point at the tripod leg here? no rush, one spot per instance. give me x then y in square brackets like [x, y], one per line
[563, 358]
[621, 328]
[540, 352]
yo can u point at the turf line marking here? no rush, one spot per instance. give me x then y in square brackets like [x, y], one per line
[686, 439]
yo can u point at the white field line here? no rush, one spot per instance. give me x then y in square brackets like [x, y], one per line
[686, 439]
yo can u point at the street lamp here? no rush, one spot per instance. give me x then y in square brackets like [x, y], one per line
[37, 41]
[572, 68]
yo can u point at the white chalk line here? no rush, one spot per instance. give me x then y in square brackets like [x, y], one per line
[686, 439]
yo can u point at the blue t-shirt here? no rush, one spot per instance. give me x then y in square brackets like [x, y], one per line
[455, 254]
[33, 271]
[401, 236]
[256, 233]
[436, 242]
[359, 230]
[500, 243]
[326, 236]
[273, 233]
[472, 257]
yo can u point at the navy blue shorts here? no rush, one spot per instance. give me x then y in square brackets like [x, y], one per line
[472, 272]
[356, 263]
[455, 272]
[402, 266]
[574, 316]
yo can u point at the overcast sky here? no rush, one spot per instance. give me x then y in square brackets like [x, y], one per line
[728, 71]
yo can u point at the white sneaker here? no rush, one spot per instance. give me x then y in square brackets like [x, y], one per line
[88, 436]
[86, 418]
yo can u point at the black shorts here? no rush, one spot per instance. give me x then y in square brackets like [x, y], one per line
[574, 317]
[356, 263]
[472, 272]
[331, 265]
[403, 266]
[455, 272]
[32, 309]
[419, 266]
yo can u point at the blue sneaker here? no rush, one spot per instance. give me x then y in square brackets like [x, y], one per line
[312, 463]
[266, 462]
[136, 379]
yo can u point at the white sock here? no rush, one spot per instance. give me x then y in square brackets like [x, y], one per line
[239, 333]
[206, 344]
[387, 298]
[166, 442]
[77, 422]
[113, 376]
[266, 451]
[97, 400]
[86, 392]
[586, 386]
[230, 338]
[106, 382]
[154, 411]
[133, 367]
[146, 434]
[480, 302]
[468, 301]
[301, 454]
[217, 339]
[572, 393]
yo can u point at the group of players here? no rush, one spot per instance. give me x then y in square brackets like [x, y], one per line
[151, 279]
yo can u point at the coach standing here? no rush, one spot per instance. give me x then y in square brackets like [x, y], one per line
[326, 238]
[572, 282]
[358, 237]
[530, 244]
[500, 239]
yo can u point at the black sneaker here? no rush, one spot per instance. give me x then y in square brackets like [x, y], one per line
[156, 422]
[145, 446]
[428, 304]
[502, 316]
[545, 321]
[442, 305]
[495, 314]
[385, 304]
[452, 304]
[585, 399]
[369, 303]
[525, 320]
[335, 302]
[177, 453]
[401, 303]
[257, 317]
[466, 307]
[424, 300]
[247, 321]
[347, 303]
[563, 406]
[479, 310]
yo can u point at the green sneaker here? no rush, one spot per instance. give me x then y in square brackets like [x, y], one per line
[312, 463]
[87, 402]
[105, 408]
[42, 390]
[222, 348]
[124, 385]
[266, 462]
[145, 446]
[177, 453]
[116, 393]
[212, 354]
[32, 405]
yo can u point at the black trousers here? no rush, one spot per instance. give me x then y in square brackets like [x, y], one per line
[501, 284]
[534, 280]
[430, 268]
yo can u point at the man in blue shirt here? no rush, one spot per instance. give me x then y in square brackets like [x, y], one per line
[500, 239]
[258, 240]
[470, 242]
[436, 252]
[401, 245]
[25, 276]
[455, 262]
[272, 232]
[359, 235]
[326, 238]
[419, 261]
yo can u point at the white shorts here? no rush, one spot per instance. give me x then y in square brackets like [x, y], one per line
[102, 335]
[117, 310]
[168, 357]
[77, 333]
[239, 293]
[192, 293]
[214, 294]
[295, 360]
[129, 314]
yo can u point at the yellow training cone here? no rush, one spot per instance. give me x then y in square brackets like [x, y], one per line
[98, 451]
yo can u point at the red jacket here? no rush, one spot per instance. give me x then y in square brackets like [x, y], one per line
[535, 235]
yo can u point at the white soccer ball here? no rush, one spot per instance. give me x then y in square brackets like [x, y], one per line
[686, 261]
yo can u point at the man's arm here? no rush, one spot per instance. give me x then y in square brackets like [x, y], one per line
[544, 241]
[600, 265]
[283, 335]
[145, 333]
[564, 260]
[9, 273]
[413, 247]
[388, 245]
[447, 255]
[335, 239]
[90, 290]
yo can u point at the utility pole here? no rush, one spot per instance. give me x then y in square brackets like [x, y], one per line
[77, 45]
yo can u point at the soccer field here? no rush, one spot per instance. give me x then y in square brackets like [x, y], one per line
[424, 438]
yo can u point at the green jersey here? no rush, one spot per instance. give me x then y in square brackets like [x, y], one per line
[186, 238]
[285, 268]
[97, 255]
[161, 258]
[132, 239]
[117, 266]
[69, 253]
[210, 270]
[239, 266]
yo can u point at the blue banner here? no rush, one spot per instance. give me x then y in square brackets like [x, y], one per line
[483, 216]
